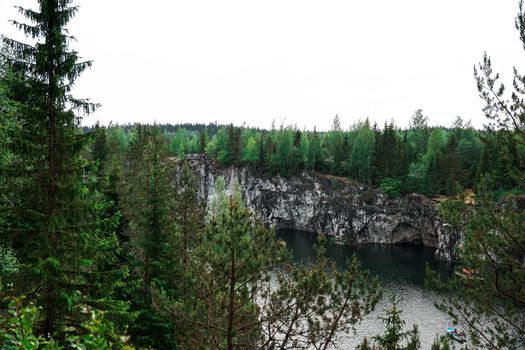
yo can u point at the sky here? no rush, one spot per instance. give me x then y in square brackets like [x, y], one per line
[298, 62]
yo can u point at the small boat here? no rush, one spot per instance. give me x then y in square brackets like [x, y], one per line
[456, 334]
[467, 273]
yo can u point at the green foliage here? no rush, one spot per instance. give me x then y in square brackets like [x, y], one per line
[360, 165]
[394, 338]
[433, 161]
[492, 301]
[153, 252]
[391, 187]
[9, 263]
[443, 343]
[416, 180]
[17, 332]
[419, 135]
[389, 156]
[53, 212]
[237, 262]
[251, 152]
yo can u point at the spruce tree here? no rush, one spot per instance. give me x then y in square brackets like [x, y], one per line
[154, 258]
[66, 248]
[189, 214]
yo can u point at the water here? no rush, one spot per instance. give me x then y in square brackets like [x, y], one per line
[401, 270]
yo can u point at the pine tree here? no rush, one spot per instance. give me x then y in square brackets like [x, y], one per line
[491, 300]
[66, 248]
[247, 294]
[394, 335]
[394, 338]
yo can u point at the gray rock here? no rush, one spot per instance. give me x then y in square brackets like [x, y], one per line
[351, 213]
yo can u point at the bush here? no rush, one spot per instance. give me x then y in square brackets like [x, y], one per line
[16, 332]
[391, 187]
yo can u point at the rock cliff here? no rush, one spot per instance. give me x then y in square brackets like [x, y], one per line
[351, 213]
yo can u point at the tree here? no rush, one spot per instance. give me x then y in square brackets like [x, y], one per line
[154, 253]
[314, 151]
[66, 248]
[362, 153]
[179, 145]
[249, 295]
[233, 146]
[419, 135]
[394, 335]
[283, 160]
[203, 140]
[490, 300]
[304, 150]
[435, 145]
[315, 303]
[251, 151]
[227, 267]
[17, 331]
[335, 147]
[388, 154]
[187, 209]
[394, 338]
[391, 187]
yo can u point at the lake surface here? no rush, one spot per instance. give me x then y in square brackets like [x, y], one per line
[400, 268]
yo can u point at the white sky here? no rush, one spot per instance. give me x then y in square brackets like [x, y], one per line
[297, 61]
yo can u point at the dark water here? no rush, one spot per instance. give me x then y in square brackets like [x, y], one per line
[401, 270]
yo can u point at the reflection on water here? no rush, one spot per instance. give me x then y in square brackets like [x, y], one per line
[400, 268]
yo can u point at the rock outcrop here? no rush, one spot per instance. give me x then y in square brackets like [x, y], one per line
[352, 213]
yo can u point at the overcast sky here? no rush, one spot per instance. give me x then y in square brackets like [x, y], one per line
[297, 61]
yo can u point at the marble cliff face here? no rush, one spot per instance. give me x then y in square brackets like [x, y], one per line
[351, 213]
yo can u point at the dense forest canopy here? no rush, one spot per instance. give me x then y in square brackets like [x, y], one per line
[422, 158]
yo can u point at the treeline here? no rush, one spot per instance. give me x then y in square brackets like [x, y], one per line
[424, 159]
[211, 128]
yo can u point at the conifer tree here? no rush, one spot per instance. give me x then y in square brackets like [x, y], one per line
[153, 254]
[66, 248]
[203, 140]
[233, 146]
[248, 295]
[394, 338]
[420, 133]
[394, 335]
[188, 212]
[314, 153]
[490, 300]
[388, 160]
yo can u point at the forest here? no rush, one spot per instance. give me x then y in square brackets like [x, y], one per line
[104, 243]
[423, 159]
